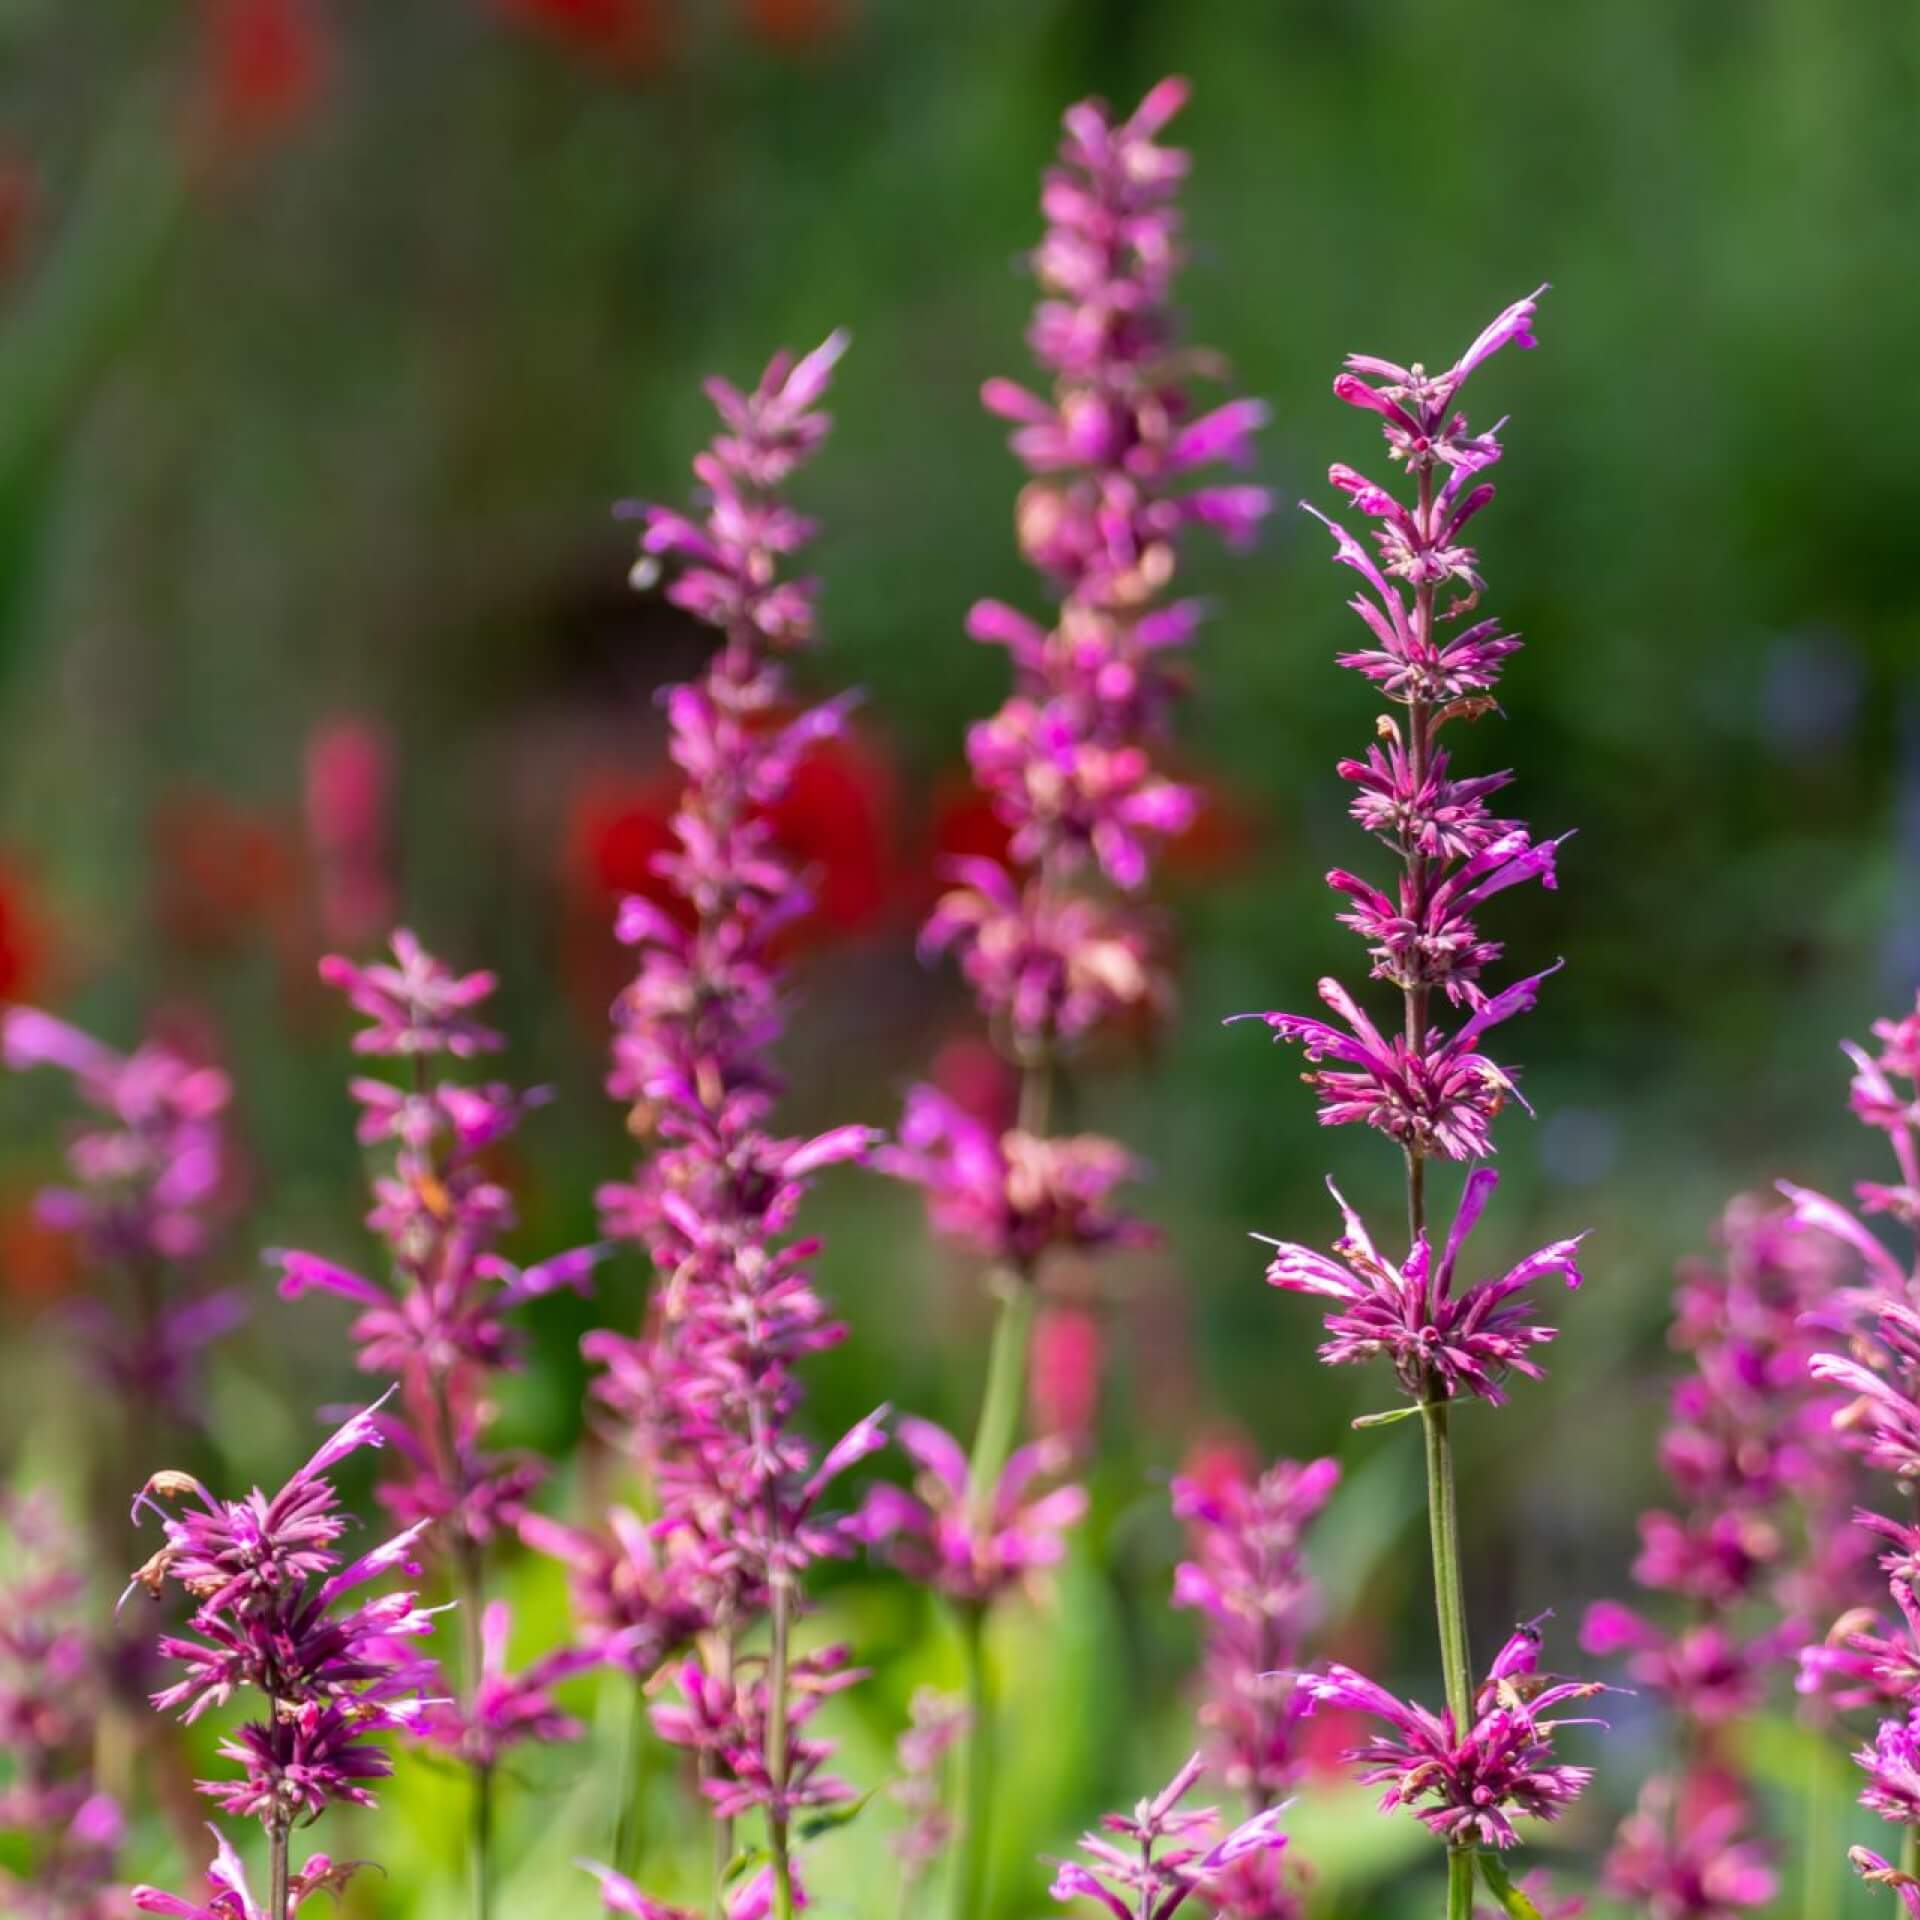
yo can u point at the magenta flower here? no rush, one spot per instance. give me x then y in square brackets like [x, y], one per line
[1469, 1785]
[148, 1185]
[936, 1723]
[629, 1600]
[1464, 1341]
[749, 1898]
[1877, 1871]
[1686, 1855]
[272, 1614]
[1012, 1196]
[1440, 1097]
[504, 1709]
[415, 1004]
[233, 1899]
[944, 1537]
[1892, 1766]
[1165, 1858]
[1247, 1578]
[1704, 1670]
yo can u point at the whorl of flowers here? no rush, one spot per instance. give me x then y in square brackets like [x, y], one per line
[233, 1897]
[147, 1181]
[708, 1394]
[1470, 1783]
[439, 1322]
[1247, 1577]
[1166, 1855]
[1117, 458]
[67, 1829]
[1750, 1540]
[935, 1723]
[1437, 1336]
[969, 1543]
[1434, 1092]
[1876, 1415]
[277, 1614]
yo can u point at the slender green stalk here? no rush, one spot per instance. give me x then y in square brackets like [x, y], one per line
[1006, 1393]
[1909, 1864]
[628, 1815]
[777, 1734]
[482, 1849]
[976, 1775]
[1443, 1516]
[1459, 1883]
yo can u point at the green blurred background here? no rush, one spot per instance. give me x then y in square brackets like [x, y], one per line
[330, 333]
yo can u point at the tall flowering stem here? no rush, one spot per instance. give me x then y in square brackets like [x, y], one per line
[708, 1393]
[1865, 1660]
[1746, 1553]
[1052, 938]
[1433, 1092]
[1246, 1577]
[275, 1613]
[439, 1324]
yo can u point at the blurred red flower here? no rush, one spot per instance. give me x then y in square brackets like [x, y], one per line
[19, 203]
[266, 62]
[223, 873]
[794, 24]
[349, 768]
[1065, 1380]
[23, 939]
[629, 33]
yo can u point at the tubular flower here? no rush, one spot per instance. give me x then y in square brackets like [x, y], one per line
[1014, 1195]
[706, 1398]
[1247, 1578]
[1685, 1857]
[147, 1189]
[441, 1325]
[943, 1537]
[1165, 1857]
[1052, 941]
[273, 1613]
[1410, 1314]
[1469, 1785]
[1433, 1092]
[233, 1899]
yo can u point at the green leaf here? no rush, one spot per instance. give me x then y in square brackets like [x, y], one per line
[1516, 1903]
[816, 1824]
[1391, 1417]
[743, 1863]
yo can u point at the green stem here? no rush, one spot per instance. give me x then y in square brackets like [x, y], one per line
[1006, 1394]
[482, 1842]
[777, 1749]
[976, 1776]
[1459, 1883]
[1443, 1516]
[1909, 1864]
[277, 1836]
[628, 1820]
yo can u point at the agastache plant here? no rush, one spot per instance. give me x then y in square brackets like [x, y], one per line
[143, 1198]
[51, 1694]
[1054, 940]
[1487, 1755]
[709, 1393]
[438, 1324]
[1746, 1545]
[1246, 1577]
[1865, 1660]
[277, 1615]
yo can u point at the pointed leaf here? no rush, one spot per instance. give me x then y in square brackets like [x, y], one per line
[1518, 1906]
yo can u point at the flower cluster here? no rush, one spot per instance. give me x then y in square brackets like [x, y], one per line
[147, 1183]
[50, 1695]
[1247, 1577]
[1117, 460]
[707, 1395]
[440, 1323]
[1750, 1541]
[1469, 1783]
[275, 1612]
[1165, 1856]
[233, 1897]
[936, 1721]
[972, 1545]
[1432, 1091]
[1437, 1338]
[1862, 1662]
